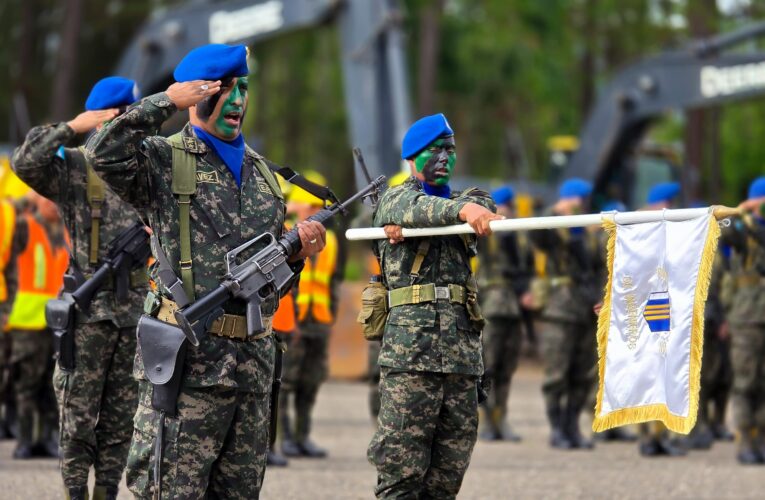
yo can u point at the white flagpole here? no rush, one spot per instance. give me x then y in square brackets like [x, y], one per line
[554, 222]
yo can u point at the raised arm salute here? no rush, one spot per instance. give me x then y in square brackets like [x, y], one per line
[204, 193]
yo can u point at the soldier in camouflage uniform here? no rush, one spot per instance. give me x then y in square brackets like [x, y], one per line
[746, 316]
[215, 445]
[98, 398]
[431, 348]
[505, 267]
[567, 293]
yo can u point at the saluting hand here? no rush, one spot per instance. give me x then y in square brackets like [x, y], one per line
[187, 94]
[478, 217]
[87, 121]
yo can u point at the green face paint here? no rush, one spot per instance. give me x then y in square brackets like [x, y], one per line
[227, 122]
[436, 162]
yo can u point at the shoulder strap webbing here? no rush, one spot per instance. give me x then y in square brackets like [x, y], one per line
[96, 192]
[422, 251]
[184, 185]
[262, 165]
[321, 192]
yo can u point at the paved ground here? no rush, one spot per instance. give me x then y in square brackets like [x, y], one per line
[526, 470]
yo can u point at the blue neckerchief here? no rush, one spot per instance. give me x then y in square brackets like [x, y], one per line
[231, 152]
[576, 231]
[440, 191]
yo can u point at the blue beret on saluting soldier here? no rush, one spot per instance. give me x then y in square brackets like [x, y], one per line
[212, 62]
[575, 187]
[112, 92]
[664, 191]
[423, 132]
[757, 188]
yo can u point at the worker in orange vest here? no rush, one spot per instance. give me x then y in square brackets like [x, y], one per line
[8, 286]
[42, 261]
[306, 363]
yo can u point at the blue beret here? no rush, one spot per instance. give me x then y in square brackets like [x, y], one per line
[575, 187]
[615, 205]
[112, 92]
[664, 191]
[757, 188]
[212, 62]
[423, 132]
[503, 195]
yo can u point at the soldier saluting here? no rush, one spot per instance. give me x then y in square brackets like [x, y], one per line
[431, 347]
[97, 394]
[204, 192]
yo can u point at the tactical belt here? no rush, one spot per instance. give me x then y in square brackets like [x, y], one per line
[417, 294]
[747, 280]
[230, 326]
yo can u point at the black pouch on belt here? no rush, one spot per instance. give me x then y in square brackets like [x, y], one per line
[163, 349]
[59, 315]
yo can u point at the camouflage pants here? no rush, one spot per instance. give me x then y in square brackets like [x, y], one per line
[569, 353]
[306, 366]
[215, 447]
[97, 401]
[716, 376]
[427, 428]
[373, 374]
[502, 340]
[32, 369]
[748, 394]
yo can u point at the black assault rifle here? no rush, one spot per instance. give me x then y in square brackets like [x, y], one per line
[128, 251]
[257, 277]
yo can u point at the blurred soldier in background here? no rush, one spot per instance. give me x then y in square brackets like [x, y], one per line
[567, 295]
[431, 348]
[8, 286]
[655, 439]
[505, 265]
[42, 262]
[98, 395]
[746, 316]
[306, 363]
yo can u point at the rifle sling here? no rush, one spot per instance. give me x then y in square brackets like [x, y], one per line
[96, 192]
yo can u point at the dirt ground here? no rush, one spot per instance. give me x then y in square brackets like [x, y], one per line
[529, 469]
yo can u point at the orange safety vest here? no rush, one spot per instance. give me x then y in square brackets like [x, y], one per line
[284, 319]
[313, 290]
[7, 225]
[41, 269]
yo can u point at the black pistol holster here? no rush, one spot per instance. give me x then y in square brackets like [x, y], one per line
[60, 317]
[163, 349]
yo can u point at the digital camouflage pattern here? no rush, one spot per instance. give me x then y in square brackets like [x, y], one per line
[430, 355]
[505, 265]
[746, 316]
[432, 336]
[373, 376]
[64, 181]
[427, 429]
[97, 434]
[220, 434]
[97, 399]
[306, 366]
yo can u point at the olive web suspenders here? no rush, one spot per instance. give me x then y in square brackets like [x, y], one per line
[184, 185]
[96, 191]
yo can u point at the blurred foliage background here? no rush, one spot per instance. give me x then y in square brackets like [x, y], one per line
[508, 73]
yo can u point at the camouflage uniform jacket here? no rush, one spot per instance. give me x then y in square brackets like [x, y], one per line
[136, 163]
[574, 271]
[505, 266]
[431, 336]
[64, 181]
[745, 239]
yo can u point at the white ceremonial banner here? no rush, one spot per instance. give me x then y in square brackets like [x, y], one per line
[650, 329]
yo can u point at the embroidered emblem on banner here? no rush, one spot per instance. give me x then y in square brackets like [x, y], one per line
[208, 177]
